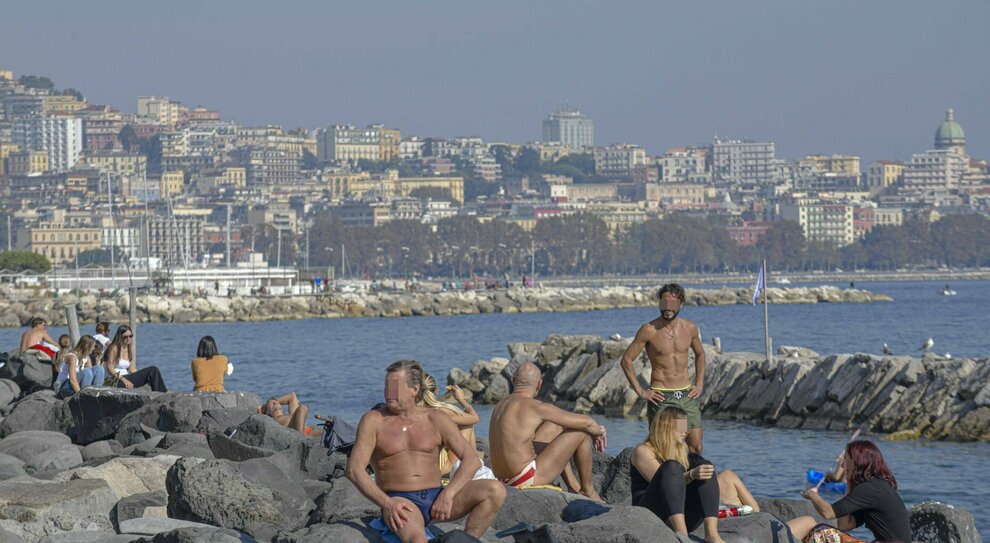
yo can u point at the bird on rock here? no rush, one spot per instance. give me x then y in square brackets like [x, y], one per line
[887, 349]
[927, 345]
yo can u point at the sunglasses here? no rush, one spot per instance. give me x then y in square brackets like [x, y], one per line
[128, 336]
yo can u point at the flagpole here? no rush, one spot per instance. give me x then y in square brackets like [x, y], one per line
[766, 314]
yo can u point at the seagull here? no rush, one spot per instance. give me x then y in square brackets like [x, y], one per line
[886, 349]
[615, 337]
[947, 356]
[927, 345]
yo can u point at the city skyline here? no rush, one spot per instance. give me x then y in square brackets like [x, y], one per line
[725, 72]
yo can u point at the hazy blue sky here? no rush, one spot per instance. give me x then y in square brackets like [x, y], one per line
[864, 77]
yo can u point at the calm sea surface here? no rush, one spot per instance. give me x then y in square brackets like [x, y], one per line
[336, 367]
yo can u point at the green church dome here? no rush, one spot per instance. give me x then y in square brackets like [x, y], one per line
[949, 133]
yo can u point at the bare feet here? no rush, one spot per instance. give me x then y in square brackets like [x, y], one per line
[592, 495]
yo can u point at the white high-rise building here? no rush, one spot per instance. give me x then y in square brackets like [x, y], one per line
[570, 127]
[60, 136]
[743, 161]
[935, 169]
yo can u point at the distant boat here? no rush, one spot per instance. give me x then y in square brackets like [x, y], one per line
[947, 291]
[784, 281]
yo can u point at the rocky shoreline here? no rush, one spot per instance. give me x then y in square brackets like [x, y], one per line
[191, 308]
[135, 466]
[930, 397]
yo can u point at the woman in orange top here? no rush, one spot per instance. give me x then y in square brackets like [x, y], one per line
[209, 367]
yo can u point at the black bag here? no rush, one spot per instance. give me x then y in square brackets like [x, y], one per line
[339, 436]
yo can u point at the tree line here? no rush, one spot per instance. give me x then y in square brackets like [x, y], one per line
[581, 244]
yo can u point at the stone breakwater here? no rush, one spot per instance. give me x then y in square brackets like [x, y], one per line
[188, 308]
[135, 466]
[905, 397]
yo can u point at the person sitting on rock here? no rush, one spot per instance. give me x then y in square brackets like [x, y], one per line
[64, 346]
[122, 367]
[294, 416]
[102, 333]
[36, 334]
[465, 421]
[209, 367]
[532, 442]
[402, 442]
[76, 370]
[871, 498]
[679, 486]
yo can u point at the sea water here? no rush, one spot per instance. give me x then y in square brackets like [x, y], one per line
[336, 367]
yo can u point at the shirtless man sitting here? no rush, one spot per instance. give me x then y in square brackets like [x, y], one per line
[532, 442]
[296, 414]
[667, 340]
[37, 333]
[402, 442]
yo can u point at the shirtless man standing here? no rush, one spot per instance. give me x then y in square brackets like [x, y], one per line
[402, 442]
[532, 442]
[35, 334]
[667, 340]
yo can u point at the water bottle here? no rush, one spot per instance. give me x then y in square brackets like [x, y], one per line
[735, 511]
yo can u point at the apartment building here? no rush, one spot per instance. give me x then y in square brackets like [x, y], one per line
[882, 174]
[831, 223]
[619, 160]
[743, 161]
[571, 128]
[60, 244]
[60, 136]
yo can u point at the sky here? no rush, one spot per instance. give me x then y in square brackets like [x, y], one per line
[869, 78]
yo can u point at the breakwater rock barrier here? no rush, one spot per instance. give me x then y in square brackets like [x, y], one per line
[191, 308]
[905, 397]
[135, 466]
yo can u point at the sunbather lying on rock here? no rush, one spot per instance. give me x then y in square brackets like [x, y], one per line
[293, 416]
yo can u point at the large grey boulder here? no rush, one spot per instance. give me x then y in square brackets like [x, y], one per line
[100, 449]
[38, 411]
[264, 432]
[97, 411]
[58, 458]
[147, 504]
[225, 448]
[10, 537]
[179, 412]
[621, 524]
[753, 527]
[252, 496]
[28, 371]
[534, 506]
[933, 522]
[201, 535]
[9, 391]
[30, 443]
[10, 467]
[128, 475]
[342, 503]
[155, 526]
[322, 533]
[35, 509]
[617, 481]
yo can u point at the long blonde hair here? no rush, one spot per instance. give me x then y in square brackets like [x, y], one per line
[430, 396]
[662, 438]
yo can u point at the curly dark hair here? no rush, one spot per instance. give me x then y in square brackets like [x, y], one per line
[672, 288]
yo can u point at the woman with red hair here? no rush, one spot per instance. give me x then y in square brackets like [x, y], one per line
[871, 498]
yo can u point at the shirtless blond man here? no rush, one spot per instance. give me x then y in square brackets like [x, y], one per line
[667, 340]
[402, 442]
[532, 442]
[37, 332]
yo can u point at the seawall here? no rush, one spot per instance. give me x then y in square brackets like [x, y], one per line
[191, 308]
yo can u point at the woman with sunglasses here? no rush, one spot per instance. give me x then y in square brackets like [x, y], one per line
[122, 367]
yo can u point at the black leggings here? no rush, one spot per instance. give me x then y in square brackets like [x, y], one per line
[668, 495]
[146, 376]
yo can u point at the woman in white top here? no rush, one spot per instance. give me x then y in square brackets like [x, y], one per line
[76, 369]
[122, 363]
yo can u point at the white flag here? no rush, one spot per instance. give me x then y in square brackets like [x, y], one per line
[761, 283]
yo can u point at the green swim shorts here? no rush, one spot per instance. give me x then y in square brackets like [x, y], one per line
[677, 397]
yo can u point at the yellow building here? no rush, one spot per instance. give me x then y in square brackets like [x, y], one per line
[58, 103]
[552, 151]
[27, 162]
[7, 74]
[60, 244]
[882, 174]
[171, 183]
[840, 164]
[619, 216]
[5, 150]
[118, 162]
[390, 138]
